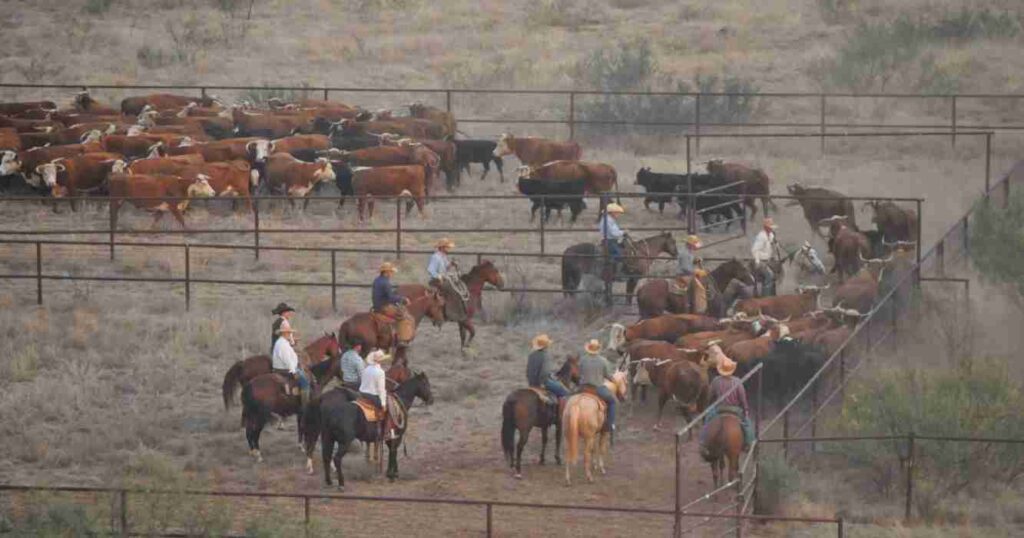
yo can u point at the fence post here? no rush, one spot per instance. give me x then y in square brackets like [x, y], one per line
[39, 273]
[398, 228]
[113, 221]
[334, 280]
[188, 278]
[202, 92]
[696, 130]
[739, 505]
[842, 375]
[785, 436]
[124, 512]
[325, 93]
[305, 500]
[940, 251]
[988, 161]
[966, 232]
[256, 224]
[490, 520]
[821, 120]
[542, 247]
[448, 101]
[952, 118]
[691, 205]
[910, 475]
[918, 232]
[572, 115]
[677, 525]
[839, 527]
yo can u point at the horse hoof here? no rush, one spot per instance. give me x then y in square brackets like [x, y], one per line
[517, 476]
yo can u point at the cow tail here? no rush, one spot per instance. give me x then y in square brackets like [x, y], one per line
[508, 429]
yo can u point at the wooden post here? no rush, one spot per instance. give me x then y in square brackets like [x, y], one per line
[940, 251]
[305, 500]
[952, 119]
[39, 273]
[696, 130]
[202, 92]
[448, 101]
[124, 512]
[677, 526]
[490, 520]
[256, 224]
[966, 234]
[839, 527]
[821, 120]
[325, 93]
[188, 278]
[917, 247]
[842, 375]
[910, 475]
[398, 228]
[334, 280]
[988, 166]
[542, 246]
[572, 115]
[814, 421]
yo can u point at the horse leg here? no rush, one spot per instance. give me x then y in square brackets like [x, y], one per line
[326, 454]
[662, 398]
[588, 455]
[558, 441]
[257, 429]
[543, 443]
[471, 330]
[602, 449]
[630, 288]
[393, 459]
[715, 476]
[338, 455]
[524, 436]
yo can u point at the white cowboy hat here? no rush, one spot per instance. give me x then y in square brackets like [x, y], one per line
[377, 356]
[593, 347]
[615, 208]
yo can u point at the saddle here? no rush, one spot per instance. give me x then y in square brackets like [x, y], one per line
[291, 385]
[545, 396]
[372, 413]
[588, 391]
[679, 285]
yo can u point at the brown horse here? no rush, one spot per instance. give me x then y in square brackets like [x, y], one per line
[523, 410]
[243, 371]
[481, 274]
[588, 258]
[682, 381]
[723, 440]
[584, 417]
[362, 328]
[264, 396]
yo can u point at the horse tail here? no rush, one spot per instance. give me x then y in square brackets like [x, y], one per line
[232, 379]
[571, 427]
[253, 409]
[508, 428]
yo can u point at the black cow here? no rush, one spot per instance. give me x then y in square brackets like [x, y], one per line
[703, 182]
[351, 141]
[787, 368]
[478, 151]
[561, 194]
[15, 185]
[659, 183]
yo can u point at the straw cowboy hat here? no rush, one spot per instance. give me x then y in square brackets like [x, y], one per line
[445, 243]
[593, 347]
[694, 241]
[615, 209]
[769, 223]
[281, 308]
[388, 267]
[377, 356]
[540, 341]
[726, 366]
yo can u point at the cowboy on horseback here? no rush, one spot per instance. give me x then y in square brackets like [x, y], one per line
[284, 313]
[284, 361]
[612, 235]
[373, 387]
[389, 305]
[594, 370]
[352, 367]
[540, 368]
[735, 403]
[444, 277]
[764, 247]
[690, 271]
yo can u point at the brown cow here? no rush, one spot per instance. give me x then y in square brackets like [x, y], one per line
[9, 139]
[133, 147]
[668, 328]
[78, 175]
[859, 292]
[411, 127]
[755, 182]
[389, 182]
[682, 381]
[444, 118]
[30, 125]
[746, 351]
[295, 177]
[407, 152]
[289, 144]
[445, 150]
[536, 151]
[831, 338]
[598, 177]
[783, 306]
[848, 248]
[161, 165]
[270, 125]
[895, 223]
[254, 150]
[84, 102]
[17, 108]
[132, 106]
[124, 187]
[228, 179]
[27, 161]
[820, 204]
[738, 332]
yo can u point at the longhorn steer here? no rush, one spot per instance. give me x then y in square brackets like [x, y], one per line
[783, 306]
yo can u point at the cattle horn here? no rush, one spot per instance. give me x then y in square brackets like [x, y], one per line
[59, 167]
[862, 258]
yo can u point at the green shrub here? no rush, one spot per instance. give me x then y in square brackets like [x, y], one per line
[997, 244]
[970, 24]
[98, 7]
[777, 482]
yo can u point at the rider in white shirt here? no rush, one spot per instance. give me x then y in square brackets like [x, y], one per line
[611, 233]
[284, 360]
[762, 251]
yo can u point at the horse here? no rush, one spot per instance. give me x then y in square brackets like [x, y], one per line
[682, 381]
[265, 395]
[589, 258]
[723, 440]
[481, 274]
[776, 264]
[584, 416]
[523, 410]
[362, 328]
[655, 297]
[245, 370]
[338, 420]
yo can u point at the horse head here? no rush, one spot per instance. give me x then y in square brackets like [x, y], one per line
[423, 391]
[570, 369]
[669, 244]
[619, 379]
[617, 337]
[435, 307]
[489, 274]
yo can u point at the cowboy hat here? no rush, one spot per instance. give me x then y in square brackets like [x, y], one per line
[281, 308]
[694, 241]
[769, 223]
[615, 208]
[445, 242]
[593, 347]
[388, 267]
[377, 356]
[726, 366]
[540, 341]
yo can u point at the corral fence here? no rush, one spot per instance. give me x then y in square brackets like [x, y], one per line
[331, 255]
[569, 108]
[825, 389]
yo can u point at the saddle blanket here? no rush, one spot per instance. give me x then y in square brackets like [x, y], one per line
[545, 396]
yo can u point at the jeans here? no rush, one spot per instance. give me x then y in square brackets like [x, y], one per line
[745, 425]
[614, 249]
[606, 394]
[371, 397]
[556, 387]
[767, 278]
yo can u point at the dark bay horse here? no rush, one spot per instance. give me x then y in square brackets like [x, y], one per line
[723, 440]
[362, 328]
[338, 420]
[588, 258]
[265, 395]
[243, 371]
[481, 274]
[523, 410]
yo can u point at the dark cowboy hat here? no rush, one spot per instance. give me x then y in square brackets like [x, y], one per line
[281, 309]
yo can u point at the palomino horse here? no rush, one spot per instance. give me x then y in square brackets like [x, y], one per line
[723, 440]
[243, 371]
[338, 420]
[587, 258]
[362, 328]
[264, 396]
[584, 416]
[481, 274]
[523, 410]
